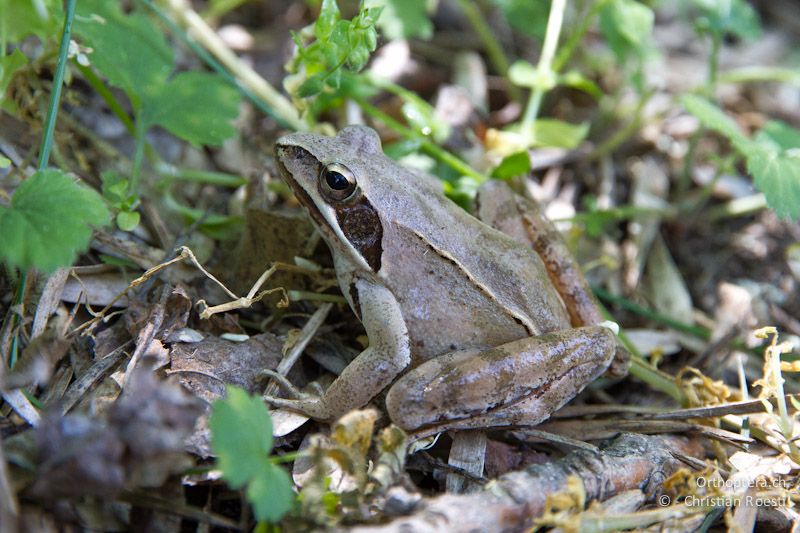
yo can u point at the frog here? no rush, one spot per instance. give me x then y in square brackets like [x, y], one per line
[471, 325]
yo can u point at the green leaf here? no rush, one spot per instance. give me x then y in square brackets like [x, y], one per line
[526, 16]
[777, 175]
[128, 220]
[525, 74]
[8, 66]
[780, 134]
[270, 493]
[329, 15]
[576, 80]
[49, 221]
[241, 435]
[128, 49]
[513, 165]
[775, 166]
[404, 19]
[196, 106]
[736, 17]
[626, 26]
[714, 118]
[557, 133]
[21, 18]
[4, 162]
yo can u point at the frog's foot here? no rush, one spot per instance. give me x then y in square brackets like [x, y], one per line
[310, 406]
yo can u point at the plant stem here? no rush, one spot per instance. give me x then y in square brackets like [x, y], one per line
[697, 331]
[138, 156]
[279, 106]
[569, 47]
[497, 56]
[58, 82]
[544, 68]
[426, 145]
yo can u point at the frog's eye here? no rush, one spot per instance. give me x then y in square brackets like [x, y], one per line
[336, 182]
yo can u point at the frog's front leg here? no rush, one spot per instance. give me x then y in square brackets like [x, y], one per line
[520, 382]
[388, 354]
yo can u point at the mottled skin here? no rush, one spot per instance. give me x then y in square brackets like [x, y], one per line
[464, 315]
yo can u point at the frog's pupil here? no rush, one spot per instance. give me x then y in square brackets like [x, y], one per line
[336, 180]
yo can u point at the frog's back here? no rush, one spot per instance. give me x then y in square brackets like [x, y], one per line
[463, 284]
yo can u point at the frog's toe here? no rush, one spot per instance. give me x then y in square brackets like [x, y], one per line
[311, 407]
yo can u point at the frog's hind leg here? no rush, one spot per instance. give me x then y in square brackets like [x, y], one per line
[520, 382]
[524, 221]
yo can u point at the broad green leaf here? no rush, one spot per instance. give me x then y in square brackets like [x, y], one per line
[714, 118]
[513, 165]
[777, 175]
[404, 19]
[49, 221]
[270, 493]
[196, 106]
[627, 26]
[8, 66]
[128, 49]
[775, 166]
[557, 133]
[4, 162]
[21, 18]
[780, 134]
[241, 435]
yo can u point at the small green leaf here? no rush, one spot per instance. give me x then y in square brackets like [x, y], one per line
[776, 173]
[19, 19]
[513, 165]
[196, 106]
[576, 80]
[4, 162]
[526, 16]
[241, 432]
[241, 437]
[714, 118]
[49, 221]
[128, 49]
[128, 220]
[9, 64]
[270, 493]
[311, 86]
[557, 133]
[780, 134]
[328, 17]
[404, 19]
[627, 26]
[736, 17]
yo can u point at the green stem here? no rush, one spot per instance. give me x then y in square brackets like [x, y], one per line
[497, 56]
[426, 145]
[58, 82]
[623, 134]
[199, 176]
[138, 156]
[697, 331]
[108, 97]
[569, 47]
[544, 68]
